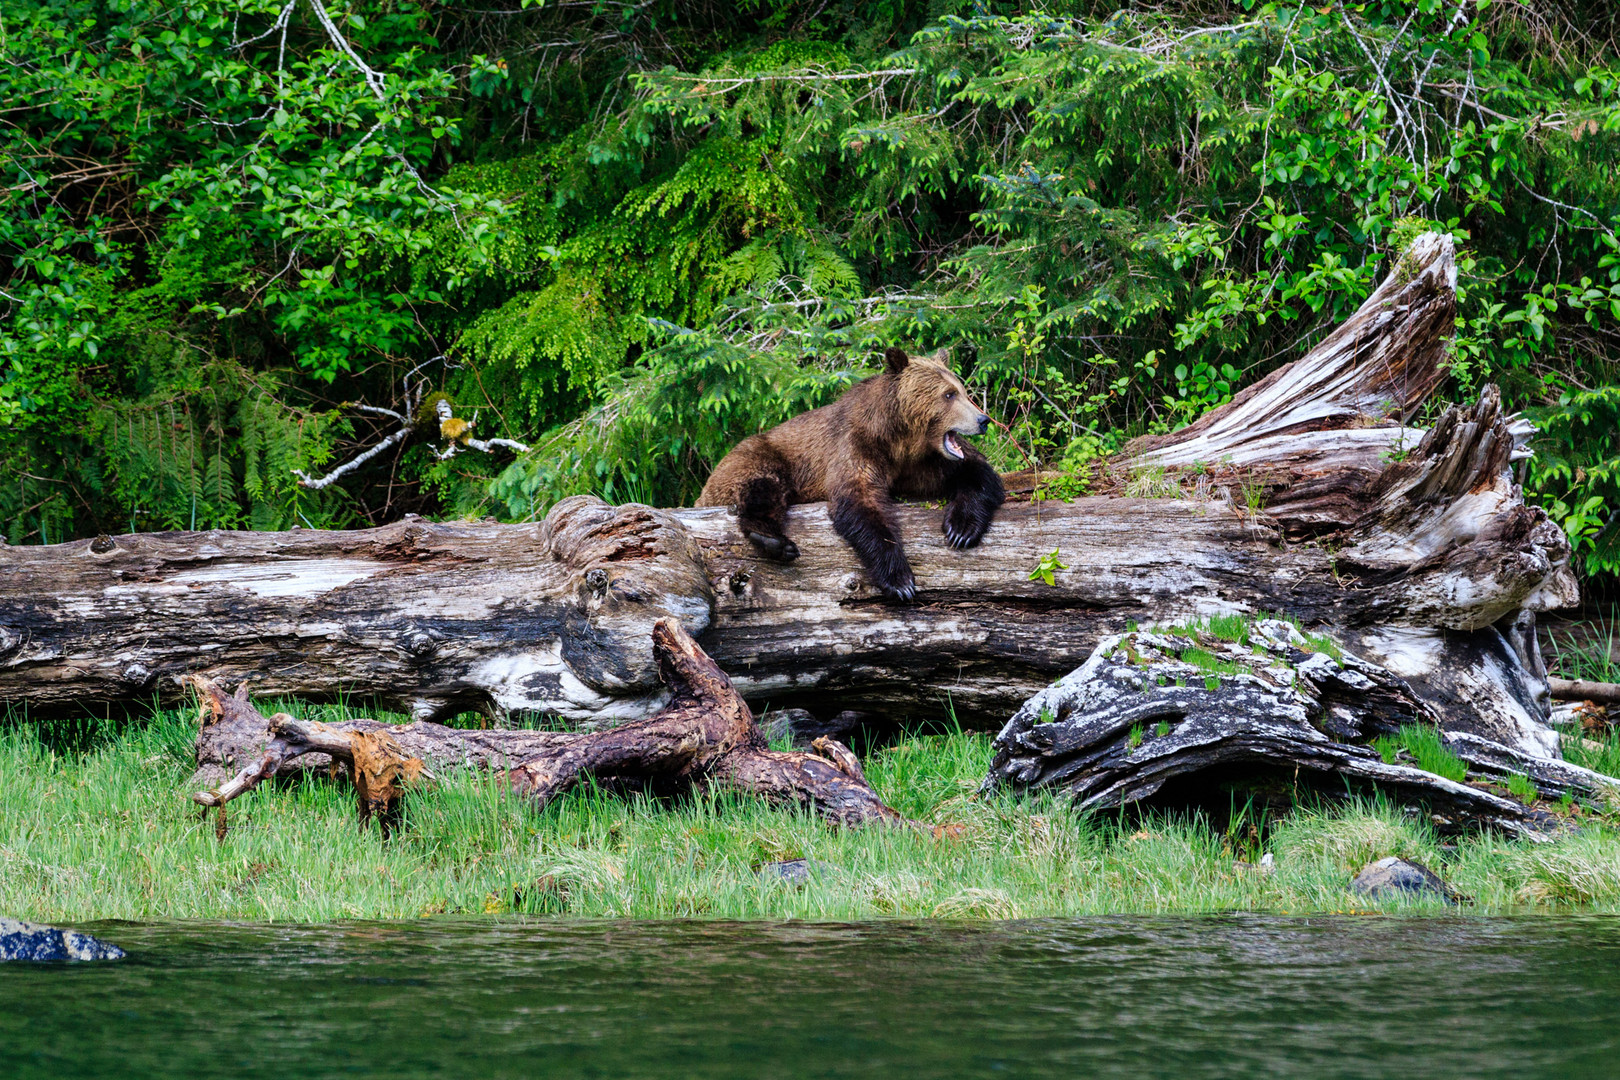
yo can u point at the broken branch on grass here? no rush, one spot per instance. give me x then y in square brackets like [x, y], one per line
[1604, 693]
[706, 736]
[378, 766]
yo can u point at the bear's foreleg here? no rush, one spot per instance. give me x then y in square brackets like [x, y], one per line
[865, 522]
[975, 492]
[762, 513]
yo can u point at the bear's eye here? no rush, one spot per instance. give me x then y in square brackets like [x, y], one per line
[950, 395]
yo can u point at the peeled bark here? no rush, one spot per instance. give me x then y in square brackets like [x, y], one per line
[1427, 562]
[705, 735]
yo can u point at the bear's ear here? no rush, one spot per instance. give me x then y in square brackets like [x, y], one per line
[895, 359]
[942, 357]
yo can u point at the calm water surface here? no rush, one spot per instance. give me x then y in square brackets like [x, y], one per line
[1182, 998]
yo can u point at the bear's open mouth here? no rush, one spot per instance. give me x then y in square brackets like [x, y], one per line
[950, 447]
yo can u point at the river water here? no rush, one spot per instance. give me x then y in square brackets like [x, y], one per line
[1222, 997]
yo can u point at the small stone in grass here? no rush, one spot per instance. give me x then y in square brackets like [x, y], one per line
[1394, 877]
[793, 871]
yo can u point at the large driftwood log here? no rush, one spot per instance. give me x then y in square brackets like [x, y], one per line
[1428, 564]
[1156, 707]
[705, 735]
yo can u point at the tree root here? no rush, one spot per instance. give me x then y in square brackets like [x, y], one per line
[706, 736]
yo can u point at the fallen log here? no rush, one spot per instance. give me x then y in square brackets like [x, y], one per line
[1603, 693]
[1151, 708]
[1413, 548]
[705, 735]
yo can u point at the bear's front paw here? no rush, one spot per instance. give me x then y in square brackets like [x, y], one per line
[898, 583]
[779, 548]
[965, 524]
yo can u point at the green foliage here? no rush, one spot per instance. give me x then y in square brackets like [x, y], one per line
[632, 235]
[1074, 468]
[1576, 470]
[1046, 570]
[1427, 750]
[664, 423]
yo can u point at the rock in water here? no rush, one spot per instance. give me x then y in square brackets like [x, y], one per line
[30, 941]
[1392, 877]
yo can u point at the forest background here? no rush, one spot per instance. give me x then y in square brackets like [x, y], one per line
[629, 234]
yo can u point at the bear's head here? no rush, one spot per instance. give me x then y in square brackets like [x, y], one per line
[933, 402]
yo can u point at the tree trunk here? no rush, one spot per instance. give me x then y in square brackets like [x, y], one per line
[705, 735]
[1429, 564]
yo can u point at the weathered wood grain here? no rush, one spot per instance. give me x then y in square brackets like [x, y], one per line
[1150, 708]
[431, 618]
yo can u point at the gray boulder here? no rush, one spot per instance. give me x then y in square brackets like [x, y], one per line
[30, 941]
[1393, 878]
[795, 872]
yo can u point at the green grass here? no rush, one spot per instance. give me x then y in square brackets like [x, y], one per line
[95, 824]
[1236, 628]
[1423, 743]
[1598, 753]
[1591, 658]
[1207, 661]
[1229, 628]
[1521, 788]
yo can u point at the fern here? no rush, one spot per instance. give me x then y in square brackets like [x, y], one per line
[214, 447]
[662, 427]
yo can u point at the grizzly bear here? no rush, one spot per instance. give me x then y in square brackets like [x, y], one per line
[893, 435]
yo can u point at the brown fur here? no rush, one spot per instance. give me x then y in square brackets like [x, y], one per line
[885, 438]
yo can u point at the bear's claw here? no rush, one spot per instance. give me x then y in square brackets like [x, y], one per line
[962, 529]
[902, 586]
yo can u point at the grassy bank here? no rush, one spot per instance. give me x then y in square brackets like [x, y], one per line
[95, 824]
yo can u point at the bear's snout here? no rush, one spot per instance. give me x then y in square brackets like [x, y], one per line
[984, 423]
